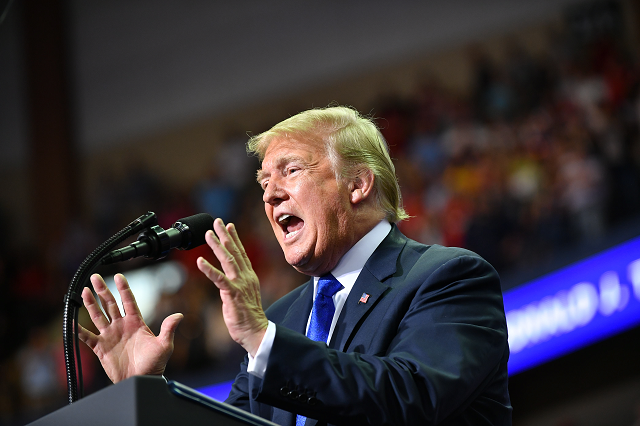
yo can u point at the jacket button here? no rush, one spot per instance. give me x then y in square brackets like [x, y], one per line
[284, 391]
[293, 394]
[312, 400]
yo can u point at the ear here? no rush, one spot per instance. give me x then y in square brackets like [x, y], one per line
[361, 187]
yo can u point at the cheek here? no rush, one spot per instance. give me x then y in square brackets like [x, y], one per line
[269, 213]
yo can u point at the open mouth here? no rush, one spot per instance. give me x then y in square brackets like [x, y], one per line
[290, 225]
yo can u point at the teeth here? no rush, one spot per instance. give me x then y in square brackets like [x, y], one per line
[291, 234]
[284, 218]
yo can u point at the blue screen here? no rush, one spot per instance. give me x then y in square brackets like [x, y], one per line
[219, 391]
[573, 307]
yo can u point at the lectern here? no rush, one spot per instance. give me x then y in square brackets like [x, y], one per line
[149, 401]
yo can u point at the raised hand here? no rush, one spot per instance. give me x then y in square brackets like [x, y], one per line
[125, 346]
[239, 287]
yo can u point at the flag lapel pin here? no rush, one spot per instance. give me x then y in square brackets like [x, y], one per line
[364, 298]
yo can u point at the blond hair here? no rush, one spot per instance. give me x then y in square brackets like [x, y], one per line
[353, 144]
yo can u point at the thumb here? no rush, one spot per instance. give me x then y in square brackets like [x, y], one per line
[168, 328]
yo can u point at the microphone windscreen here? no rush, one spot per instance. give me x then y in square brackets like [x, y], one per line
[198, 225]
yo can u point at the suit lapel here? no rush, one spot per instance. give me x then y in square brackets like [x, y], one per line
[298, 313]
[380, 266]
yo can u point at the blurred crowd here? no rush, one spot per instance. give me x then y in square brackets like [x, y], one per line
[541, 154]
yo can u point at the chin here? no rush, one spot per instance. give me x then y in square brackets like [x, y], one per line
[300, 264]
[295, 260]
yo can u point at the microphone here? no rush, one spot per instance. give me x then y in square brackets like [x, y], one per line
[155, 243]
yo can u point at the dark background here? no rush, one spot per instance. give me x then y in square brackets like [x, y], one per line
[514, 126]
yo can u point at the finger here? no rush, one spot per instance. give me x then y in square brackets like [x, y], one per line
[236, 239]
[223, 235]
[216, 276]
[126, 295]
[95, 313]
[87, 337]
[226, 258]
[233, 253]
[168, 328]
[106, 298]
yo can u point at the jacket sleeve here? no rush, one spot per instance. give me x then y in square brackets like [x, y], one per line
[239, 394]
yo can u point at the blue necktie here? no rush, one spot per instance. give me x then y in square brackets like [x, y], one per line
[322, 315]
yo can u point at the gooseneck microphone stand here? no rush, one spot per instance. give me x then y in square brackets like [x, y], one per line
[73, 300]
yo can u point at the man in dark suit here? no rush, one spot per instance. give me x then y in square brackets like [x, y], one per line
[407, 334]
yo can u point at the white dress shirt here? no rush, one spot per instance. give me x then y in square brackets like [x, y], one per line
[346, 272]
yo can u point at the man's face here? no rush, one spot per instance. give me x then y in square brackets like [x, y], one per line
[309, 210]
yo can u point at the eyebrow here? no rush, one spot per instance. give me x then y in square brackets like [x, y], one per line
[261, 174]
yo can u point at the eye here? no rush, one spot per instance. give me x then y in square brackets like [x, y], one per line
[292, 170]
[264, 184]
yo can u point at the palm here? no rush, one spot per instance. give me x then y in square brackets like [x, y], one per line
[126, 346]
[130, 348]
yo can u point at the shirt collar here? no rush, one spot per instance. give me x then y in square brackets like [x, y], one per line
[349, 267]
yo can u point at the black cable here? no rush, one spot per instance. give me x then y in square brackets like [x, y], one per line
[78, 357]
[69, 362]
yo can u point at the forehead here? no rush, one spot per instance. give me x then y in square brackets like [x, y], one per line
[282, 150]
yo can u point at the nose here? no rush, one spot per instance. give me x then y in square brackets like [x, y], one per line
[274, 193]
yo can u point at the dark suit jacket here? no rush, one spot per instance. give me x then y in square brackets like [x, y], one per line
[428, 347]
